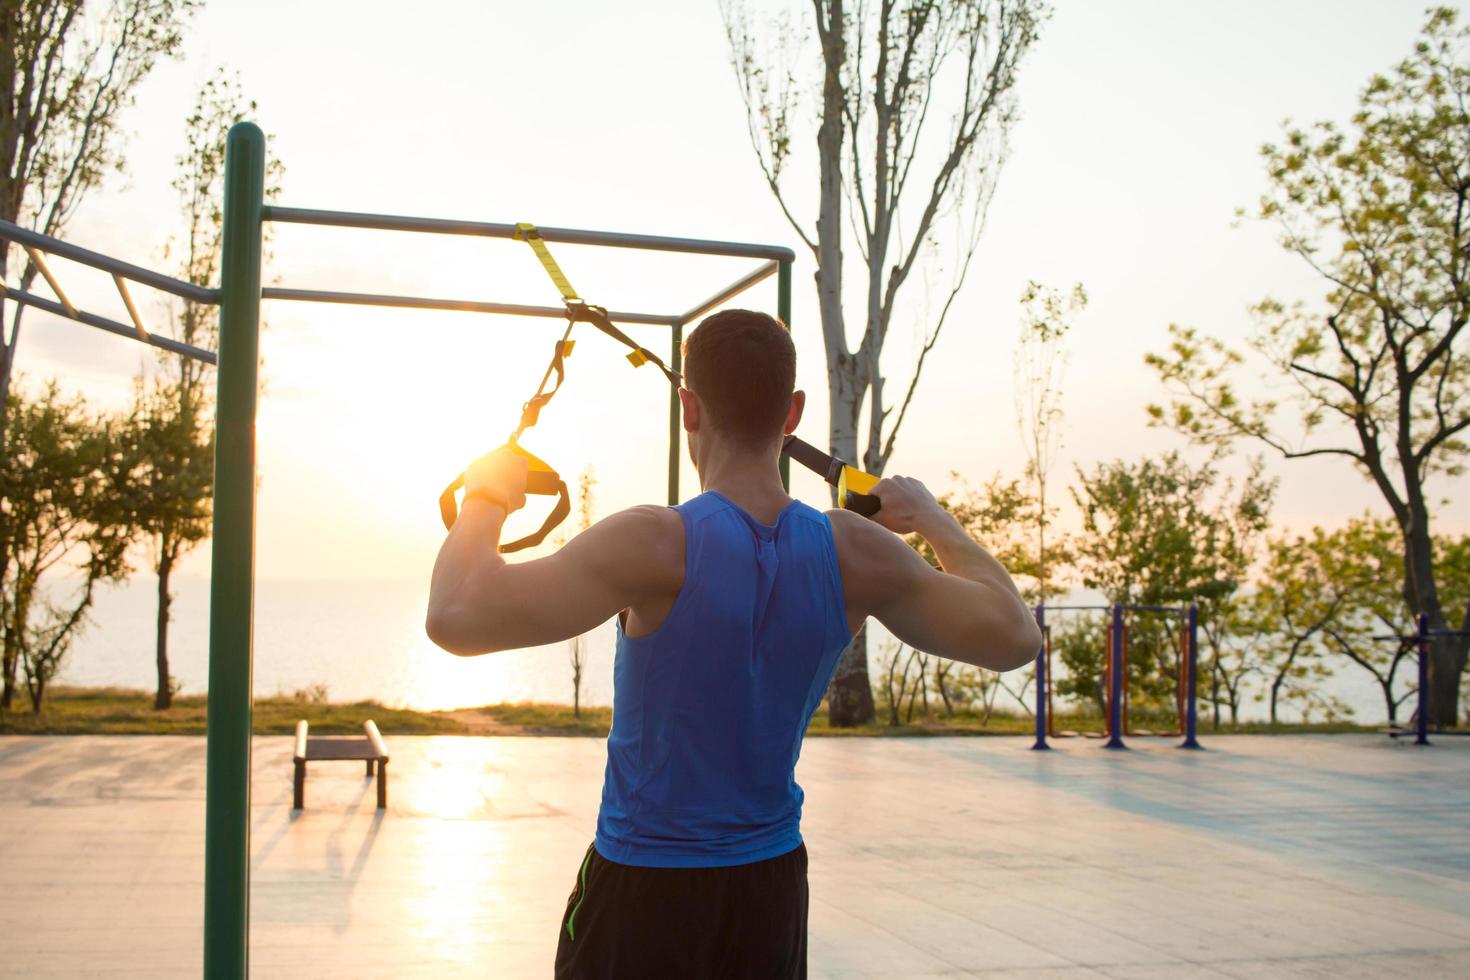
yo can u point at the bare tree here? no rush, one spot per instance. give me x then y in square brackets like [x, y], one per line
[577, 645]
[1040, 369]
[887, 76]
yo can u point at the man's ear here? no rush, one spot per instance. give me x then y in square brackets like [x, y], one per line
[689, 401]
[793, 414]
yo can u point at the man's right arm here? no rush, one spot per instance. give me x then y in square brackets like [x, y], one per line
[970, 611]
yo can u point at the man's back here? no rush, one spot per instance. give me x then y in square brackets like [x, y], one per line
[733, 629]
[710, 706]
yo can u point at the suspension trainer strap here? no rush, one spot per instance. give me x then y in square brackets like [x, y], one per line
[853, 486]
[526, 232]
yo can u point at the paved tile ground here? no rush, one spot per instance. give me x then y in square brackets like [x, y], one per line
[1343, 857]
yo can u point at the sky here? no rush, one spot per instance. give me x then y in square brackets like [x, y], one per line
[1138, 139]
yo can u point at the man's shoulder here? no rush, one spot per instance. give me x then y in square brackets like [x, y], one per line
[649, 533]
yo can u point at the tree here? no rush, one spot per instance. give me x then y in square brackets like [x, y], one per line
[65, 79]
[1040, 370]
[1367, 553]
[71, 514]
[1378, 377]
[173, 410]
[1160, 532]
[577, 645]
[884, 73]
[998, 513]
[1306, 588]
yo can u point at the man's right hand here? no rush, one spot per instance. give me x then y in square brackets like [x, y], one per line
[908, 506]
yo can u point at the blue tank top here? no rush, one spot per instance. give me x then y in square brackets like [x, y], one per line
[709, 709]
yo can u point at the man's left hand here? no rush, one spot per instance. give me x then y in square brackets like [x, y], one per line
[503, 474]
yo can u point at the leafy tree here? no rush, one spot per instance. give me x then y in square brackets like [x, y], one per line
[1306, 589]
[1368, 553]
[173, 411]
[998, 513]
[1378, 377]
[882, 76]
[1160, 532]
[67, 73]
[1040, 370]
[72, 514]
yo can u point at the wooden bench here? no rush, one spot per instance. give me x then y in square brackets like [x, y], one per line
[369, 749]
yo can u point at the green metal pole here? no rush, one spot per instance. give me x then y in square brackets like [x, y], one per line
[676, 361]
[232, 580]
[783, 310]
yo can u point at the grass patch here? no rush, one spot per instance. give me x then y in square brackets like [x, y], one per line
[537, 718]
[119, 711]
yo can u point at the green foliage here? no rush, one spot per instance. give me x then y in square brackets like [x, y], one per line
[999, 514]
[1161, 532]
[1377, 374]
[1079, 648]
[173, 409]
[71, 513]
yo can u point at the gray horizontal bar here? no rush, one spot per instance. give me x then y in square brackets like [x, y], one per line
[487, 229]
[111, 326]
[460, 305]
[10, 231]
[731, 291]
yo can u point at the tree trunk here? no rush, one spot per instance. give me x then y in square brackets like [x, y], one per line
[19, 613]
[10, 663]
[164, 697]
[1447, 654]
[850, 698]
[1393, 708]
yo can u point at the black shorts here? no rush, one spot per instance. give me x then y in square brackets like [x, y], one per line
[748, 920]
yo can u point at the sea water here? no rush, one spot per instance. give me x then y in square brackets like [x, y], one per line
[360, 640]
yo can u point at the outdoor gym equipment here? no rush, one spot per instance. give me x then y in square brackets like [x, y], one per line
[1419, 640]
[1115, 675]
[541, 478]
[232, 578]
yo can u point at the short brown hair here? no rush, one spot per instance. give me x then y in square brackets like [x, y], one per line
[742, 365]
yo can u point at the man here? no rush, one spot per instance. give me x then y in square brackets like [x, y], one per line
[733, 609]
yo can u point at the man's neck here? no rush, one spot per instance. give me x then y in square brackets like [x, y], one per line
[751, 479]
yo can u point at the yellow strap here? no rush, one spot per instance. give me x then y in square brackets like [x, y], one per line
[637, 359]
[526, 232]
[853, 480]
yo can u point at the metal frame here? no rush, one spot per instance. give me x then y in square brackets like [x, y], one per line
[1117, 672]
[232, 580]
[1420, 640]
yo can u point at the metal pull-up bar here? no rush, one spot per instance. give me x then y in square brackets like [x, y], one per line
[37, 245]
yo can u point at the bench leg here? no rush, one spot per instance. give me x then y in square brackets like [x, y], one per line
[370, 768]
[382, 784]
[300, 781]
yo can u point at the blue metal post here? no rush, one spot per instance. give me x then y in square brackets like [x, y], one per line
[1115, 681]
[1421, 736]
[1043, 684]
[1191, 682]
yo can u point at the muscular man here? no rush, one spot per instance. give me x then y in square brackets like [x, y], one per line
[732, 610]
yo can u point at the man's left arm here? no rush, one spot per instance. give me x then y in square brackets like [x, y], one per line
[479, 603]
